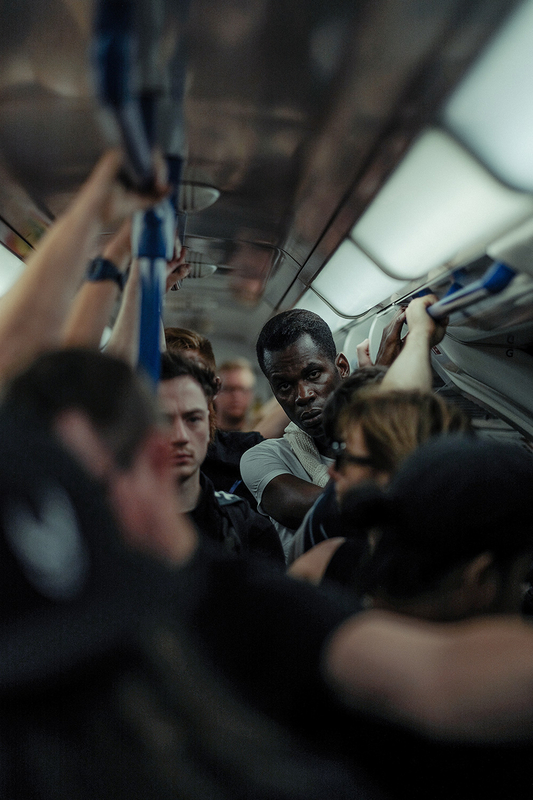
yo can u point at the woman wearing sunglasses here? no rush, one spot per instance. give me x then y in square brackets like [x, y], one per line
[374, 431]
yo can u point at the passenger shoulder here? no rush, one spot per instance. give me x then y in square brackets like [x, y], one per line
[227, 499]
[269, 446]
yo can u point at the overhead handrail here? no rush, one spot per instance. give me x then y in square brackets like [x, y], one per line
[495, 280]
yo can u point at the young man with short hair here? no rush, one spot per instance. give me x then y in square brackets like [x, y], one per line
[185, 392]
[221, 464]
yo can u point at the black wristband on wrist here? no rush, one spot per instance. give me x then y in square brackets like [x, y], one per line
[101, 269]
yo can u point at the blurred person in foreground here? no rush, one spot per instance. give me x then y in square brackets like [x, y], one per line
[103, 694]
[277, 641]
[453, 541]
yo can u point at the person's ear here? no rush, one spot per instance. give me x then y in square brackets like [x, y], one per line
[480, 581]
[343, 365]
[75, 431]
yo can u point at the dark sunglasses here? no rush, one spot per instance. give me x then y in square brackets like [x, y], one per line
[342, 457]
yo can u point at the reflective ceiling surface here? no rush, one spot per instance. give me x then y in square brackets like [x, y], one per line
[295, 111]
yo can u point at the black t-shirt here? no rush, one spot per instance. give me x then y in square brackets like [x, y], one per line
[265, 634]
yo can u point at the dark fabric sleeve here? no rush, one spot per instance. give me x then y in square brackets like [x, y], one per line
[222, 463]
[255, 531]
[323, 521]
[344, 564]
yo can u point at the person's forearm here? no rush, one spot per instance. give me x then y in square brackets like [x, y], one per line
[469, 681]
[90, 314]
[95, 300]
[412, 368]
[287, 499]
[124, 340]
[34, 311]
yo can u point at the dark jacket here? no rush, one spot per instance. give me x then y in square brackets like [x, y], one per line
[229, 520]
[222, 463]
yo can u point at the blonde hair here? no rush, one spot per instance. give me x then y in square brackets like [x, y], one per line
[395, 423]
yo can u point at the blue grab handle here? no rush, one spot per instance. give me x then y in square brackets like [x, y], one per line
[495, 280]
[154, 232]
[113, 56]
[153, 244]
[152, 286]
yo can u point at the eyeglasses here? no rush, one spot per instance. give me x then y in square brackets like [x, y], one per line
[342, 458]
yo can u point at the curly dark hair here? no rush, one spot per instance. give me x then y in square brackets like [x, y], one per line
[286, 328]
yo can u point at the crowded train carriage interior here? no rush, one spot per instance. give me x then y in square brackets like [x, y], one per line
[266, 313]
[335, 157]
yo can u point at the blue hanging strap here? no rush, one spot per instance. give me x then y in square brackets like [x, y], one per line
[153, 232]
[153, 243]
[113, 58]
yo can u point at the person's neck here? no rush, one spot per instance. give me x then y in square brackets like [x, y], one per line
[189, 491]
[323, 446]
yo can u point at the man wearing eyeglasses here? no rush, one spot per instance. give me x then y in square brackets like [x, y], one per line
[235, 395]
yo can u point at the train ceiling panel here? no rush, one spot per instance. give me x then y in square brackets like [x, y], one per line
[294, 112]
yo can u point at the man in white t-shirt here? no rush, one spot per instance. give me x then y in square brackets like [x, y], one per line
[297, 354]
